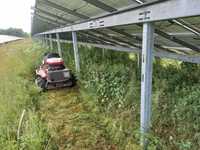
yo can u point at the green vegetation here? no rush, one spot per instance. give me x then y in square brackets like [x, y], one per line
[17, 92]
[112, 79]
[102, 112]
[13, 32]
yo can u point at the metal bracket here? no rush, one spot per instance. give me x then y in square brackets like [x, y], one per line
[144, 15]
[96, 23]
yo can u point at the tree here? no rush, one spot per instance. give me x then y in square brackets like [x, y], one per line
[14, 32]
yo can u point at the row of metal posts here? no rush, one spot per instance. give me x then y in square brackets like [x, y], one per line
[146, 75]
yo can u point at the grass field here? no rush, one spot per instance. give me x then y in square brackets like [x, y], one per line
[18, 93]
[102, 111]
[54, 120]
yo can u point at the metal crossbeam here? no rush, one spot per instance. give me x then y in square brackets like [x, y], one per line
[116, 39]
[89, 38]
[159, 54]
[158, 31]
[59, 22]
[187, 26]
[148, 12]
[64, 9]
[177, 40]
[48, 20]
[181, 23]
[102, 39]
[101, 5]
[52, 15]
[139, 1]
[139, 39]
[91, 34]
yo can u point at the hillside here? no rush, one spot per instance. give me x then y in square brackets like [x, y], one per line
[102, 111]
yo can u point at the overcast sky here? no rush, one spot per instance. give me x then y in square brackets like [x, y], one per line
[16, 14]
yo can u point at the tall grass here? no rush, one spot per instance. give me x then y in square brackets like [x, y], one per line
[112, 79]
[102, 112]
[18, 92]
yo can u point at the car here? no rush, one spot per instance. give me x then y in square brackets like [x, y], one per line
[53, 74]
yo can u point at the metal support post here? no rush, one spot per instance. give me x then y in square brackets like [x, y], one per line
[76, 52]
[51, 42]
[42, 39]
[58, 44]
[146, 81]
[46, 40]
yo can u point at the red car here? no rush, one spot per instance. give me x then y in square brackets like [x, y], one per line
[53, 74]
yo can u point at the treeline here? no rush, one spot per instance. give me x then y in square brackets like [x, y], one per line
[13, 32]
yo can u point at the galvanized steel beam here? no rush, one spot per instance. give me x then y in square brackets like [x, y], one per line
[51, 42]
[58, 44]
[46, 20]
[76, 52]
[169, 37]
[138, 39]
[64, 9]
[46, 41]
[159, 54]
[101, 5]
[52, 15]
[49, 19]
[187, 26]
[177, 40]
[146, 81]
[148, 12]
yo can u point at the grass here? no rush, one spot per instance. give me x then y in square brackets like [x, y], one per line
[102, 111]
[61, 119]
[17, 92]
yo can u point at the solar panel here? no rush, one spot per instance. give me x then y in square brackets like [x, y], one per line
[59, 13]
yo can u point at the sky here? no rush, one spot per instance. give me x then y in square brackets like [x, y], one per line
[16, 14]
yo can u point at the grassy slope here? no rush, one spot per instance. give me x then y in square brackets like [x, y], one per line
[75, 124]
[17, 92]
[63, 119]
[85, 117]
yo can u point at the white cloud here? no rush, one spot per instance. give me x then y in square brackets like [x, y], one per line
[16, 14]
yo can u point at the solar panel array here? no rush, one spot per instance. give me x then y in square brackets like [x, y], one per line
[179, 36]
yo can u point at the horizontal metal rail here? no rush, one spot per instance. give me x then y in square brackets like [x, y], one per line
[160, 54]
[148, 12]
